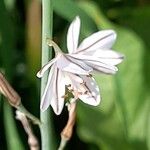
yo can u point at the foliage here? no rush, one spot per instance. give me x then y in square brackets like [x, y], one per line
[122, 119]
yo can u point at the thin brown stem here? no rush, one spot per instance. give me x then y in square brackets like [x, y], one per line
[68, 130]
[14, 99]
[32, 140]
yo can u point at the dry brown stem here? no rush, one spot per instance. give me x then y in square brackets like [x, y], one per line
[32, 140]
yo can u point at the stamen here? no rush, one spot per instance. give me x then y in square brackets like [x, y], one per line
[83, 83]
[89, 75]
[70, 90]
[86, 92]
[80, 93]
[64, 96]
[69, 85]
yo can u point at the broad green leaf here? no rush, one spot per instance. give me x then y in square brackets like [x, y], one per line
[139, 22]
[117, 123]
[68, 9]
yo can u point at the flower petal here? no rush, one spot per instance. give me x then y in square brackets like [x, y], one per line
[99, 40]
[92, 94]
[66, 64]
[96, 63]
[48, 94]
[85, 88]
[46, 67]
[107, 56]
[102, 67]
[73, 35]
[59, 90]
[75, 77]
[79, 63]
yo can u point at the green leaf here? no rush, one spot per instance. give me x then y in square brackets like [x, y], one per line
[68, 9]
[12, 137]
[131, 18]
[119, 122]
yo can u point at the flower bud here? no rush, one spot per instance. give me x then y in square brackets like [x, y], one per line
[7, 90]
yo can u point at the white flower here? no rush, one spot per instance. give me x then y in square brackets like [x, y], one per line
[73, 70]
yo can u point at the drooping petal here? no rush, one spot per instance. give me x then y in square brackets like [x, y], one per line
[85, 88]
[96, 63]
[99, 40]
[79, 63]
[102, 68]
[73, 35]
[46, 67]
[59, 90]
[48, 94]
[92, 94]
[66, 64]
[75, 77]
[107, 56]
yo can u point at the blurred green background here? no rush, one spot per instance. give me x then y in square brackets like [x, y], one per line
[122, 120]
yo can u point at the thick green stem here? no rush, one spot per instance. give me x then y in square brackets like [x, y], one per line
[47, 21]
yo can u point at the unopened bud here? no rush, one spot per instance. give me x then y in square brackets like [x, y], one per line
[7, 90]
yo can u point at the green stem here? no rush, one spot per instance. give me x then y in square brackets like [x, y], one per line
[47, 21]
[62, 143]
[12, 135]
[22, 109]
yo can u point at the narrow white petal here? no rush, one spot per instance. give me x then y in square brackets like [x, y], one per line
[89, 100]
[102, 67]
[48, 94]
[86, 89]
[92, 94]
[58, 103]
[107, 56]
[79, 63]
[99, 40]
[74, 82]
[46, 67]
[73, 35]
[96, 63]
[66, 64]
[75, 77]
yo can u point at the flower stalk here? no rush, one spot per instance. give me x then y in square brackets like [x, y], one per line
[47, 21]
[68, 130]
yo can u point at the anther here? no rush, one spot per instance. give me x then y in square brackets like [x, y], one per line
[86, 92]
[69, 85]
[71, 90]
[80, 93]
[89, 75]
[64, 96]
[83, 83]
